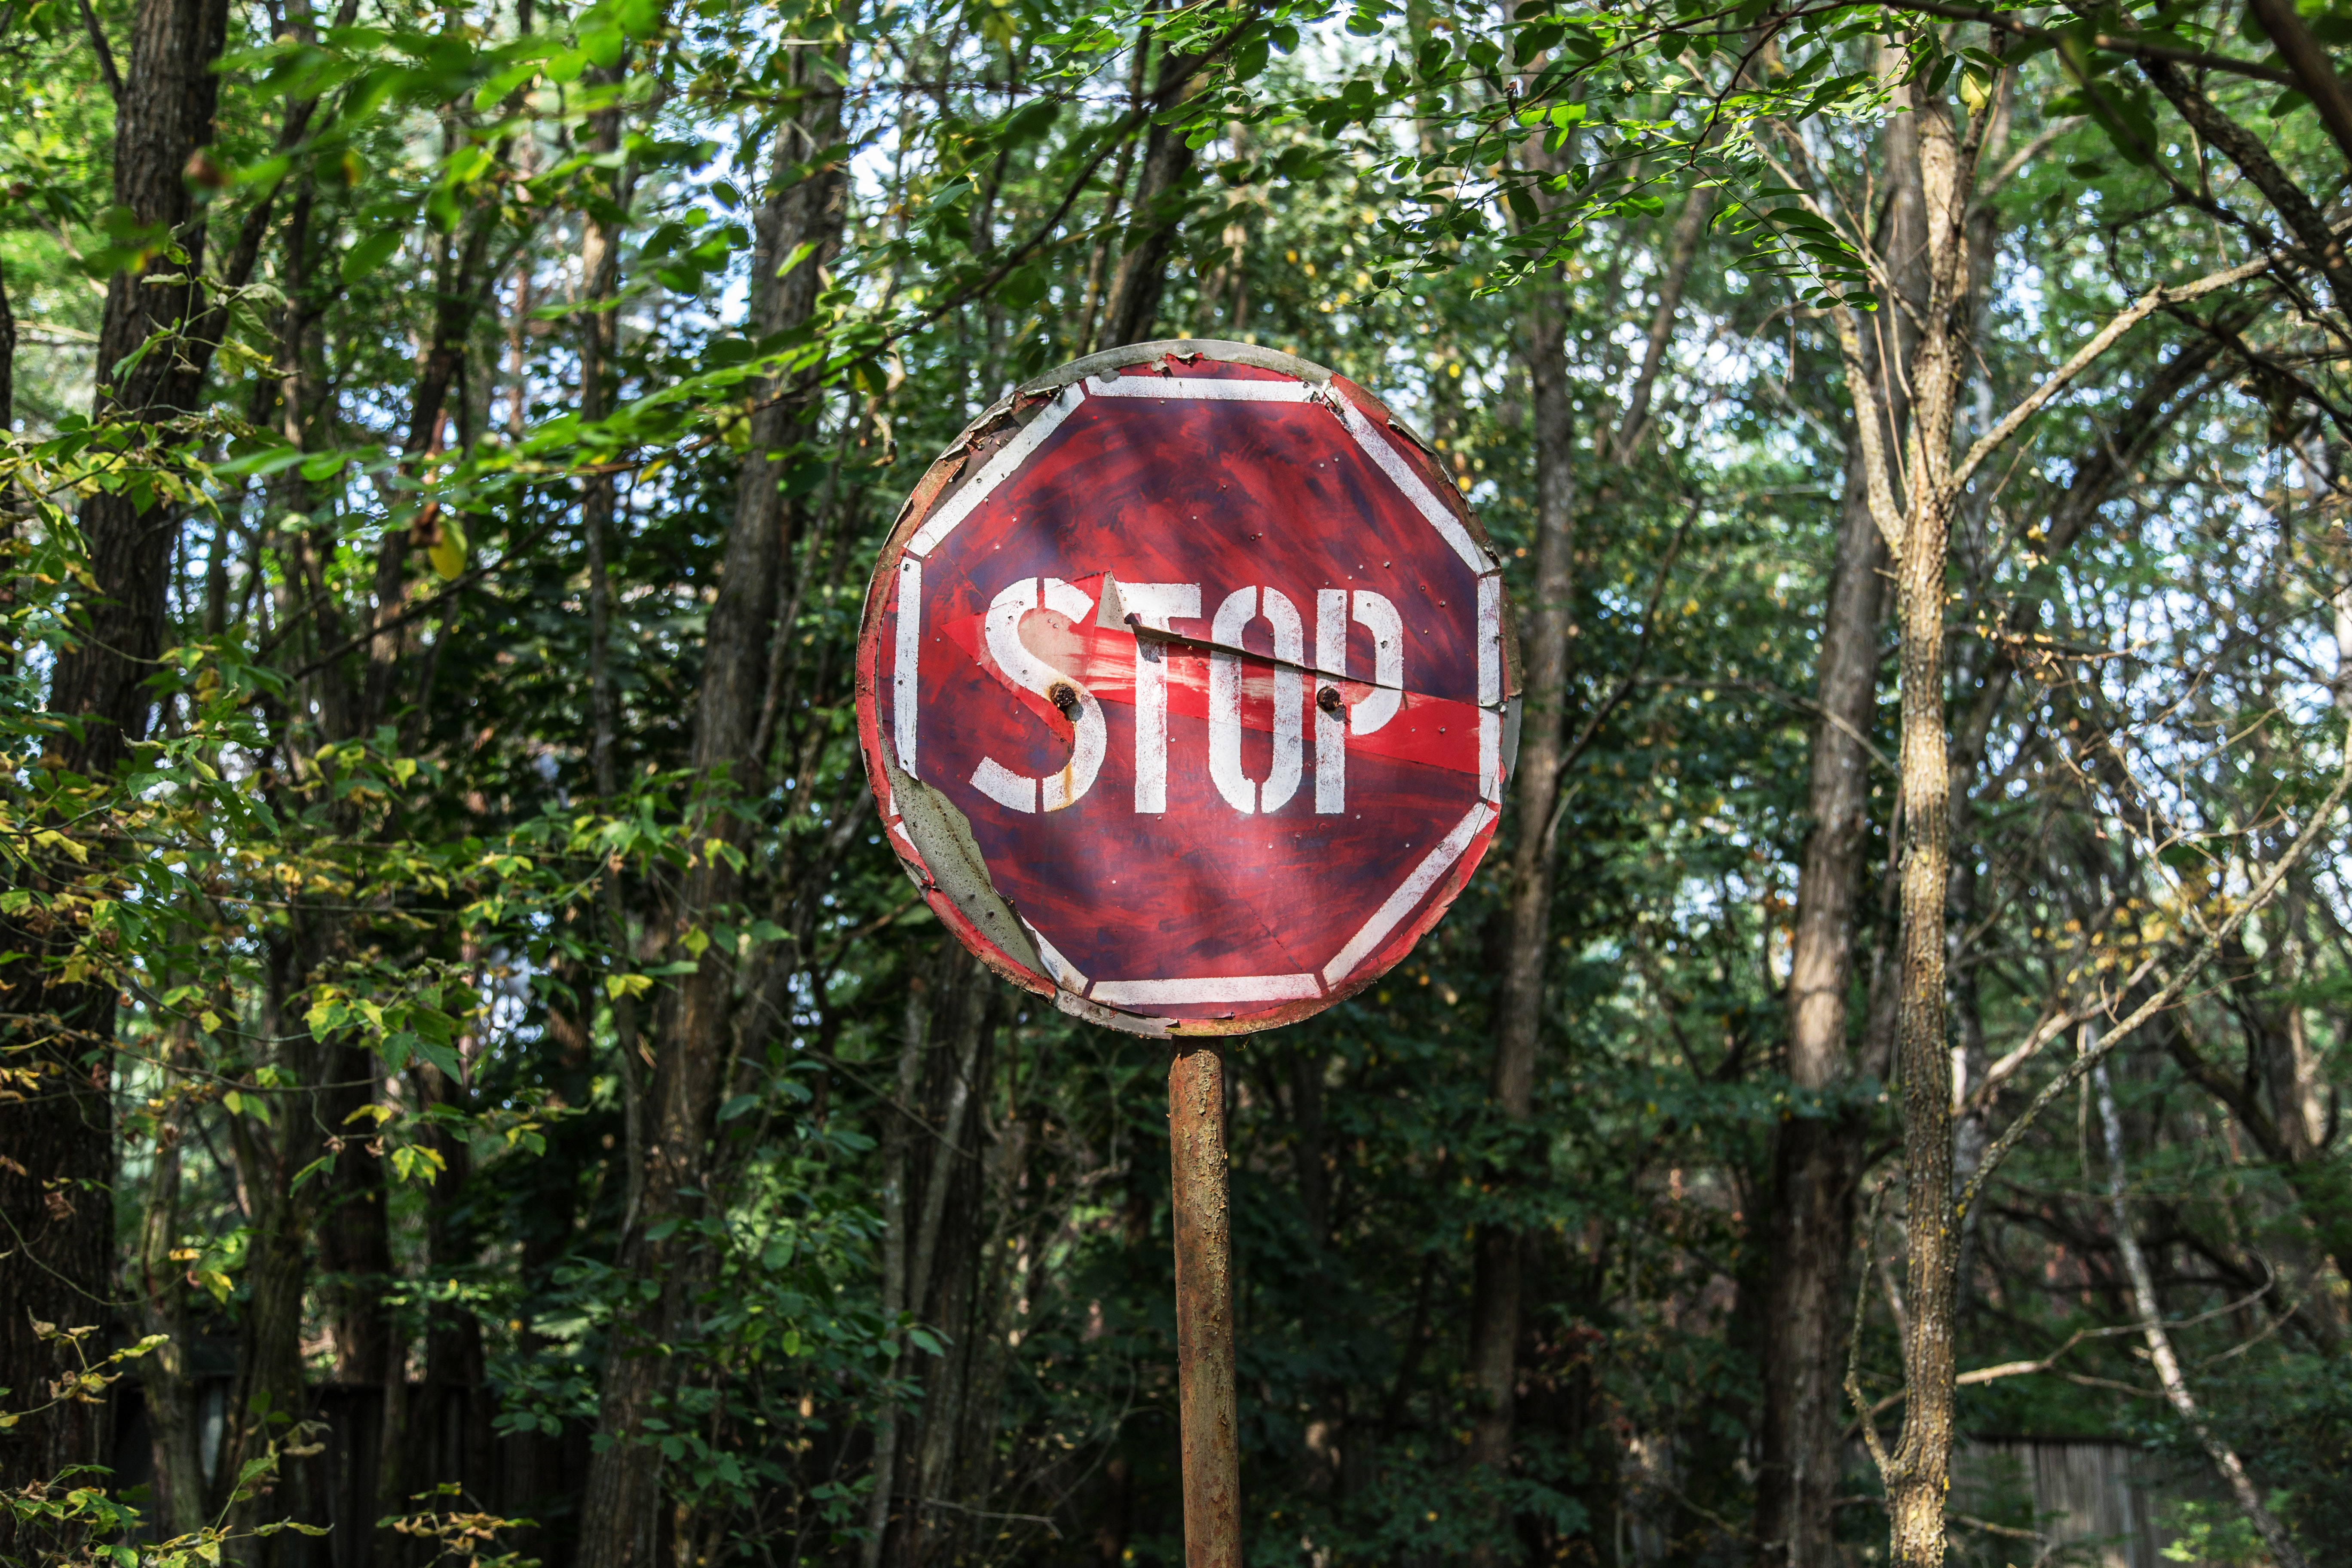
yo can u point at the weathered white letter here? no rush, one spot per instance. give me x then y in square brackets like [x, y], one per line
[1026, 671]
[1241, 606]
[1154, 604]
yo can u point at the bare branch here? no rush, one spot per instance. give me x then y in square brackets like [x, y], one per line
[1866, 418]
[2164, 995]
[2089, 354]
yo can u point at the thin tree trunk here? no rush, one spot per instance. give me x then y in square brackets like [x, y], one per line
[896, 1165]
[600, 265]
[7, 362]
[1919, 1477]
[2232, 1470]
[452, 1415]
[1159, 203]
[1682, 249]
[165, 1384]
[1520, 998]
[269, 1398]
[1816, 1159]
[944, 1270]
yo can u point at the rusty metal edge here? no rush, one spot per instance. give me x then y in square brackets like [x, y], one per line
[939, 834]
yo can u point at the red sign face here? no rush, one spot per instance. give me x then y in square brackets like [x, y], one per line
[1185, 689]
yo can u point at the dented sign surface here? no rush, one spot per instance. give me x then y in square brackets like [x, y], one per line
[1187, 690]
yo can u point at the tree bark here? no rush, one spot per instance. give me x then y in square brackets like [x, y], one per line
[58, 1130]
[622, 1510]
[269, 1397]
[1159, 213]
[166, 115]
[166, 1385]
[1519, 998]
[1816, 1159]
[7, 362]
[914, 1460]
[1919, 1474]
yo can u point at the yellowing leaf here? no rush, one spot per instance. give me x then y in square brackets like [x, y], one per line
[449, 551]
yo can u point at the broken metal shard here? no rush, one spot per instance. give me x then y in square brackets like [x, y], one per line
[1187, 690]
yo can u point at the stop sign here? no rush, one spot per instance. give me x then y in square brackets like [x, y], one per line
[1186, 689]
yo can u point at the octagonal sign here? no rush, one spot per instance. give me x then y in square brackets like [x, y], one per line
[1185, 687]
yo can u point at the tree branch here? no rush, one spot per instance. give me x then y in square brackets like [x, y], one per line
[105, 52]
[2131, 44]
[2089, 354]
[2165, 995]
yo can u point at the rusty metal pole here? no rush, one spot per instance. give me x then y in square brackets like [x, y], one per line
[1205, 1307]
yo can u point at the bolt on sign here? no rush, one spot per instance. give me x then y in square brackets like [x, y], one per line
[1186, 688]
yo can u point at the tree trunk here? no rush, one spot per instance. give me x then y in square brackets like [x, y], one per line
[7, 362]
[1159, 213]
[269, 1397]
[56, 1181]
[944, 1267]
[897, 1158]
[165, 114]
[600, 265]
[1919, 1476]
[166, 1385]
[1682, 249]
[1816, 1159]
[1520, 998]
[622, 1510]
[452, 1416]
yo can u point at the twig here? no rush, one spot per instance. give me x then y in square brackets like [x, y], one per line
[1854, 1336]
[423, 607]
[2165, 995]
[105, 52]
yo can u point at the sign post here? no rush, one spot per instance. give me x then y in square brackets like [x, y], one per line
[1187, 691]
[1208, 1438]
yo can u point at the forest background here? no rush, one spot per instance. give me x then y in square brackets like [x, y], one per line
[471, 1063]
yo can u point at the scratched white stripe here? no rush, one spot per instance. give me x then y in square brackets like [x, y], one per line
[1400, 903]
[1216, 391]
[906, 692]
[1000, 468]
[1392, 464]
[1064, 974]
[1490, 687]
[1223, 988]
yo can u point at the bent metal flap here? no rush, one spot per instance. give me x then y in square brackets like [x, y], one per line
[1187, 690]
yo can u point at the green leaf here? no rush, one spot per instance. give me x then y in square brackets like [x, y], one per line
[442, 1056]
[371, 253]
